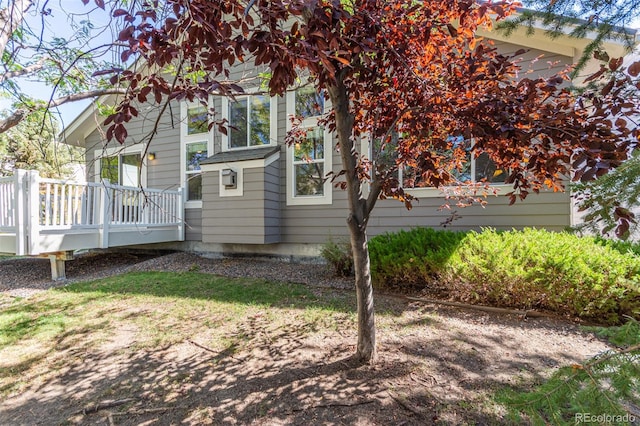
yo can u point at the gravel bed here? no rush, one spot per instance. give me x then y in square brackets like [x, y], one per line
[22, 277]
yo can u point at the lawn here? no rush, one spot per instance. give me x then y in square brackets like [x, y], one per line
[194, 348]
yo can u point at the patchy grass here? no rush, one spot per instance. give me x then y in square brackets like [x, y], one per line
[194, 348]
[162, 308]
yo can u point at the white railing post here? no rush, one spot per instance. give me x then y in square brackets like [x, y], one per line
[180, 213]
[33, 211]
[19, 211]
[104, 217]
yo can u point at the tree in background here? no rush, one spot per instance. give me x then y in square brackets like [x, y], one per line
[410, 77]
[52, 47]
[32, 145]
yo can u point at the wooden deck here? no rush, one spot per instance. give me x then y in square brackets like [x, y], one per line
[46, 217]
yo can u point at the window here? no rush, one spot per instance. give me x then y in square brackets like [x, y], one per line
[121, 166]
[308, 164]
[195, 153]
[121, 169]
[196, 142]
[252, 121]
[475, 169]
[308, 160]
[197, 120]
[308, 102]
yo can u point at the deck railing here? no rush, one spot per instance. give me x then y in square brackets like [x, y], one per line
[7, 203]
[30, 205]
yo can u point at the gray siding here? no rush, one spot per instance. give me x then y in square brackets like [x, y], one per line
[262, 215]
[164, 171]
[253, 218]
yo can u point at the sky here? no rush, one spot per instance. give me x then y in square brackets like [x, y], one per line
[61, 15]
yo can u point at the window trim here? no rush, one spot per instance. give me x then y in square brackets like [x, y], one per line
[307, 200]
[273, 122]
[98, 154]
[186, 139]
[434, 192]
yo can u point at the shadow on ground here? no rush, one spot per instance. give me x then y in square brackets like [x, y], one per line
[432, 369]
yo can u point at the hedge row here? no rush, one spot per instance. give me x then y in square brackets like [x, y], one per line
[531, 269]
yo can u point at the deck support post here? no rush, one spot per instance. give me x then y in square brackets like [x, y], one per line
[57, 261]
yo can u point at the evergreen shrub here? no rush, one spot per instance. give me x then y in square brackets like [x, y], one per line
[529, 269]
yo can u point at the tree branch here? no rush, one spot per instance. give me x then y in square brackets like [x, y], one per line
[10, 19]
[85, 95]
[21, 113]
[24, 71]
[13, 120]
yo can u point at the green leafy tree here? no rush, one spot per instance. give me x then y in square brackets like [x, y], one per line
[32, 50]
[32, 145]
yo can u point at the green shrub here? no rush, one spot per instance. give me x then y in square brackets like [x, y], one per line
[412, 258]
[529, 269]
[339, 256]
[624, 247]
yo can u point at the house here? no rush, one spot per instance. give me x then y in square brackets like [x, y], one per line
[248, 193]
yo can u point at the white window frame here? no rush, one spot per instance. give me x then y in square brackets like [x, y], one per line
[186, 139]
[118, 151]
[327, 197]
[273, 123]
[433, 192]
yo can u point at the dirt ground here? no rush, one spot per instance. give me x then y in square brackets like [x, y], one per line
[436, 365]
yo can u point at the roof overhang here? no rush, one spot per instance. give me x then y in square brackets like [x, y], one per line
[82, 126]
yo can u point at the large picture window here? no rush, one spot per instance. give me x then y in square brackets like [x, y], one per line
[475, 168]
[309, 159]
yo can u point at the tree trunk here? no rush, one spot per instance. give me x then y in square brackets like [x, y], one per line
[359, 210]
[366, 349]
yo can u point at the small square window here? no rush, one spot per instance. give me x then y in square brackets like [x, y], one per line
[309, 102]
[197, 120]
[196, 152]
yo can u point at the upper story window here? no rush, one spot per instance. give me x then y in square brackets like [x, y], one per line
[196, 143]
[308, 103]
[252, 119]
[309, 159]
[197, 120]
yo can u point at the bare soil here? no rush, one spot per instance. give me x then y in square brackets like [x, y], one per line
[436, 364]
